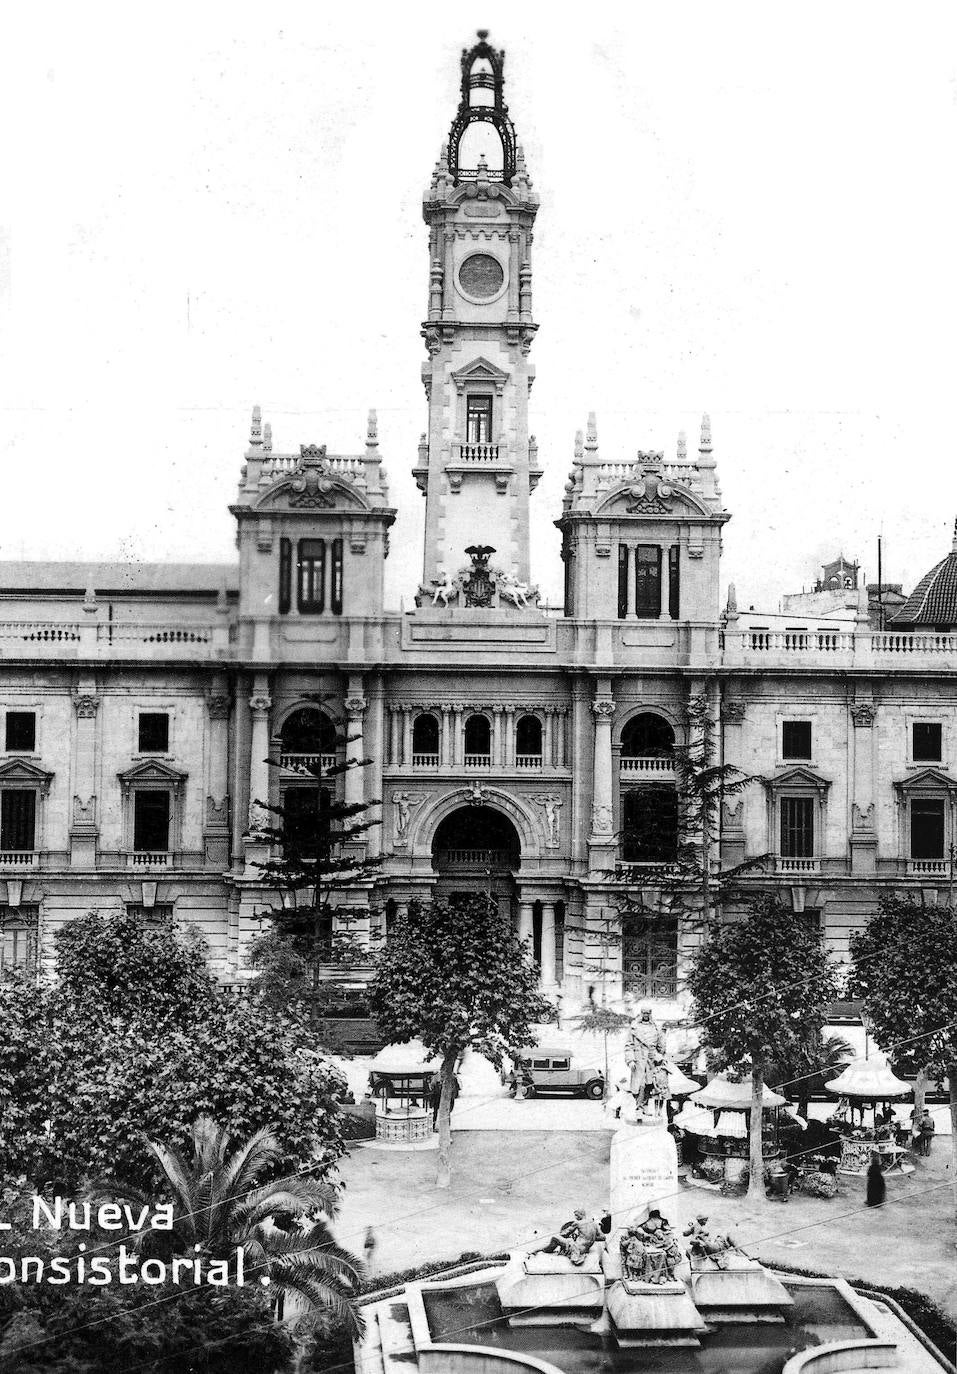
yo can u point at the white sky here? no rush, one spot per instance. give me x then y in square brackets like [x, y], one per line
[748, 209]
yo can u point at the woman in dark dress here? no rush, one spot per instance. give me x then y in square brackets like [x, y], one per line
[876, 1187]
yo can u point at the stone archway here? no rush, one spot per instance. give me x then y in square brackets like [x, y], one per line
[477, 849]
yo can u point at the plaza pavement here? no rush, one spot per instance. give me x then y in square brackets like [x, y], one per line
[511, 1187]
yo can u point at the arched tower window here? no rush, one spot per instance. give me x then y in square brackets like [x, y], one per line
[647, 736]
[528, 741]
[307, 738]
[425, 739]
[478, 742]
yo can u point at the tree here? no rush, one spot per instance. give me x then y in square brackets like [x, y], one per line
[221, 1205]
[904, 969]
[321, 865]
[599, 1018]
[134, 1040]
[678, 830]
[760, 988]
[456, 976]
[813, 1062]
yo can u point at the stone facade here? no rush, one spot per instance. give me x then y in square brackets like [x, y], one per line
[519, 779]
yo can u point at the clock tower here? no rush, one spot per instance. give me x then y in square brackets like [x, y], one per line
[477, 461]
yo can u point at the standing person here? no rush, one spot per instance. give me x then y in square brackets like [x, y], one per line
[435, 1097]
[644, 1040]
[368, 1246]
[876, 1187]
[925, 1132]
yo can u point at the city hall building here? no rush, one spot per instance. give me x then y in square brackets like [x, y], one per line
[148, 712]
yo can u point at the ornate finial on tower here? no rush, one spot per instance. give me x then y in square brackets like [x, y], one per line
[732, 607]
[267, 437]
[954, 545]
[372, 432]
[682, 447]
[591, 432]
[481, 35]
[483, 70]
[705, 445]
[256, 428]
[579, 446]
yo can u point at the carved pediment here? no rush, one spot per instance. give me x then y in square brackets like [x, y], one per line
[480, 370]
[652, 495]
[152, 773]
[797, 779]
[23, 773]
[930, 780]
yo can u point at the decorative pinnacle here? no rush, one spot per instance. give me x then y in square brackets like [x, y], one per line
[705, 445]
[372, 432]
[954, 545]
[682, 447]
[591, 431]
[267, 437]
[732, 599]
[256, 426]
[579, 445]
[481, 34]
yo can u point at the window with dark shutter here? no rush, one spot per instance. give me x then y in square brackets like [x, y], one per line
[648, 580]
[623, 554]
[674, 583]
[18, 820]
[285, 576]
[18, 937]
[312, 576]
[153, 732]
[797, 827]
[21, 732]
[927, 828]
[927, 742]
[151, 811]
[478, 419]
[796, 739]
[335, 599]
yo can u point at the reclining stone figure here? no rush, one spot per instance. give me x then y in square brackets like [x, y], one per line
[575, 1238]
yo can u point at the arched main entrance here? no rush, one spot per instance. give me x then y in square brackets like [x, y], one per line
[477, 849]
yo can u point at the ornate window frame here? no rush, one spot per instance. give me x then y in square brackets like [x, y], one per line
[799, 780]
[21, 774]
[932, 783]
[153, 775]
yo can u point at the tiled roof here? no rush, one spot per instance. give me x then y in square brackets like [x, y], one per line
[934, 600]
[118, 578]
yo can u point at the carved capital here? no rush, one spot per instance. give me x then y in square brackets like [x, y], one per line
[603, 709]
[260, 705]
[218, 707]
[356, 707]
[733, 712]
[86, 706]
[863, 715]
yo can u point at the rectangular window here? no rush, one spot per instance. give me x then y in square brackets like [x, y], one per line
[18, 937]
[18, 820]
[623, 555]
[335, 598]
[478, 419]
[796, 739]
[797, 827]
[285, 576]
[674, 583]
[151, 822]
[312, 576]
[160, 911]
[812, 918]
[927, 742]
[927, 828]
[648, 580]
[21, 732]
[153, 735]
[305, 821]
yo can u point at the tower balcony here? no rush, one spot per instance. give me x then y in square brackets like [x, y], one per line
[653, 767]
[480, 453]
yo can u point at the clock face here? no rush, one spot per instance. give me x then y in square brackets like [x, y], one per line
[481, 277]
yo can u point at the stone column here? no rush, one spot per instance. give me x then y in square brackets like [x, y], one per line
[864, 742]
[497, 759]
[374, 742]
[458, 742]
[407, 736]
[563, 737]
[260, 706]
[548, 944]
[445, 740]
[509, 736]
[448, 308]
[525, 922]
[395, 755]
[577, 748]
[547, 738]
[84, 829]
[216, 826]
[355, 747]
[602, 813]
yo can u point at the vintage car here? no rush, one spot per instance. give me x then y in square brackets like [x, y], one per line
[543, 1071]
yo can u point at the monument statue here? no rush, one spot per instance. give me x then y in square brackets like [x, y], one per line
[575, 1238]
[650, 1252]
[645, 1039]
[703, 1247]
[658, 1088]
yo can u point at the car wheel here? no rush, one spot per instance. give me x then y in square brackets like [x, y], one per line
[595, 1089]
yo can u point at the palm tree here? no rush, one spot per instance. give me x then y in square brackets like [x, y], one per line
[219, 1207]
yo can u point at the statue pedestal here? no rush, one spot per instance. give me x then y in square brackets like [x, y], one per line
[745, 1291]
[538, 1289]
[644, 1171]
[654, 1314]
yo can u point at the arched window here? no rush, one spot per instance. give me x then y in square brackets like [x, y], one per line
[425, 739]
[649, 825]
[307, 738]
[647, 736]
[528, 742]
[478, 742]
